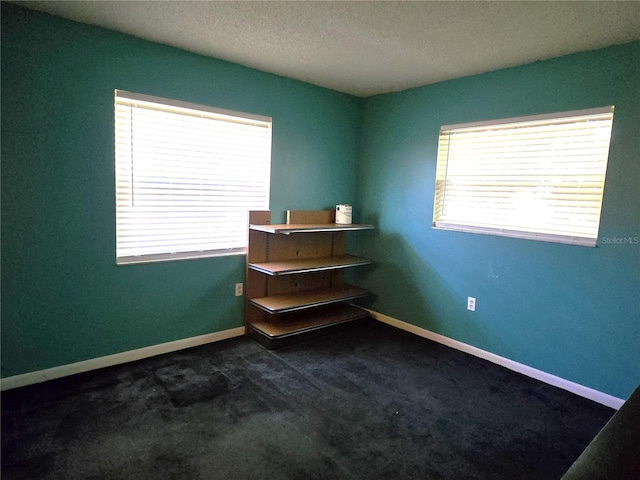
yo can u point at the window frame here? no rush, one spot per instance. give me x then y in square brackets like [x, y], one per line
[514, 125]
[124, 159]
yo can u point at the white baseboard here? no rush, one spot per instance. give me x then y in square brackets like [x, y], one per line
[146, 352]
[586, 392]
[116, 359]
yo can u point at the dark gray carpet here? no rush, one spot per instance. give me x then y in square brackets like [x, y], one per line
[370, 402]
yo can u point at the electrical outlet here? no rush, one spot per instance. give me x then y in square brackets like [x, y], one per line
[239, 289]
[471, 304]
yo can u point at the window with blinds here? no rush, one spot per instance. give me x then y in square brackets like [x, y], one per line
[539, 178]
[186, 176]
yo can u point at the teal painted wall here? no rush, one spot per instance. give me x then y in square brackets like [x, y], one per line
[63, 298]
[566, 310]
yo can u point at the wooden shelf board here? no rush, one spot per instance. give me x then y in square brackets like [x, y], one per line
[286, 325]
[289, 267]
[288, 228]
[308, 298]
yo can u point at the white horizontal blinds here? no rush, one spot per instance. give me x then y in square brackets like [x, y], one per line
[185, 178]
[536, 177]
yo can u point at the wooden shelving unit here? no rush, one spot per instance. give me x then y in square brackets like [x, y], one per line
[295, 281]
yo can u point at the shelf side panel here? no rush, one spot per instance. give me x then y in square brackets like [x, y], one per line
[254, 314]
[257, 251]
[255, 284]
[260, 217]
[257, 244]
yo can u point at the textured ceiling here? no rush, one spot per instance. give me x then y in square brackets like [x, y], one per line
[363, 47]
